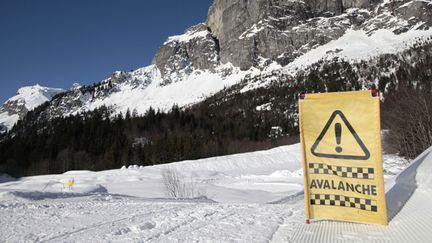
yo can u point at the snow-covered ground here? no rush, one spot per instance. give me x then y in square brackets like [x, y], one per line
[252, 197]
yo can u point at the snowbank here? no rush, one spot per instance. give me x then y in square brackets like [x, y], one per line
[259, 177]
[408, 202]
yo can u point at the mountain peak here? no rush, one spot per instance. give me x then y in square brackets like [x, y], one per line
[26, 99]
[33, 96]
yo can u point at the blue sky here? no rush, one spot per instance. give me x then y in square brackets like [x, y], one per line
[56, 43]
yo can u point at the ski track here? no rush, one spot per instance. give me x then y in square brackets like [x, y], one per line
[193, 225]
[100, 225]
[137, 220]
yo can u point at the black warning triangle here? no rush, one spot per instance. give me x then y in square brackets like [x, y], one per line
[366, 155]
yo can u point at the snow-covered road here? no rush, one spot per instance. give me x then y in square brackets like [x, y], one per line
[253, 197]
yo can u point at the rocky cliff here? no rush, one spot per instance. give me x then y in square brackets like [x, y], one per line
[180, 55]
[242, 32]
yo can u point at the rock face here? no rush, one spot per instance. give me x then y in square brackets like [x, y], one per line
[335, 7]
[415, 11]
[228, 20]
[270, 29]
[3, 129]
[245, 32]
[180, 55]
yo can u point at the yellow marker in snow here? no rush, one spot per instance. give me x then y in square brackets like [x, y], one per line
[70, 184]
[341, 144]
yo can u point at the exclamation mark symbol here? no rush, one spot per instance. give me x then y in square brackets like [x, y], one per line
[338, 132]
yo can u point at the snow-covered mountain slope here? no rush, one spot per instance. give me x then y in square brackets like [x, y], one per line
[144, 88]
[357, 45]
[245, 197]
[26, 99]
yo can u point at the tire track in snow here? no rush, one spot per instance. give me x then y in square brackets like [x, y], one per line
[100, 225]
[197, 223]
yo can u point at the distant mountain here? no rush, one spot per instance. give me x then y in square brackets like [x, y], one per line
[26, 99]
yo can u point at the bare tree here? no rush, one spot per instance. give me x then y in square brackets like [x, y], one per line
[408, 115]
[177, 186]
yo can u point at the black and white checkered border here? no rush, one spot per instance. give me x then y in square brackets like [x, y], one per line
[342, 171]
[344, 201]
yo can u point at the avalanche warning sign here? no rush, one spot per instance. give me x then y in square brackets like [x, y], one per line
[341, 144]
[339, 152]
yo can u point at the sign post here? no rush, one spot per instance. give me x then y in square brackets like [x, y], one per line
[342, 161]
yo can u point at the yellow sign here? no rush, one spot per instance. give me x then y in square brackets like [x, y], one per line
[70, 184]
[342, 163]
